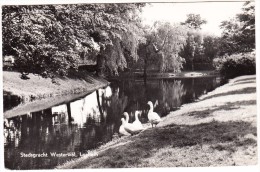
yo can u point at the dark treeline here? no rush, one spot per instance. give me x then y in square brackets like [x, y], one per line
[54, 40]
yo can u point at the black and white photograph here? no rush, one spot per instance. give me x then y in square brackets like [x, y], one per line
[134, 84]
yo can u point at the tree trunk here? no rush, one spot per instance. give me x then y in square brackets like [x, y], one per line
[145, 66]
[192, 64]
[98, 65]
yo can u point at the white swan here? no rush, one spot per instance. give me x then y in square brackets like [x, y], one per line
[130, 127]
[137, 122]
[122, 131]
[153, 117]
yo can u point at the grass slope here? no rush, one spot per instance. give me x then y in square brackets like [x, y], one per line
[37, 87]
[218, 130]
[39, 93]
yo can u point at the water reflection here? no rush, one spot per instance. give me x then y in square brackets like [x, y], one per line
[86, 123]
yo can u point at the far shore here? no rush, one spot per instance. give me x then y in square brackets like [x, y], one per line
[166, 75]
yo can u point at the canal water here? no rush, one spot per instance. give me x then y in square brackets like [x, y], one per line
[47, 138]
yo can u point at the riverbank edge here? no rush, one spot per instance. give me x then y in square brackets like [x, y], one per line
[38, 93]
[37, 87]
[167, 75]
[185, 112]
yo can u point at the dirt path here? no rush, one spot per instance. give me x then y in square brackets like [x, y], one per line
[218, 130]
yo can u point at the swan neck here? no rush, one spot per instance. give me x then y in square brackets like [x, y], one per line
[151, 108]
[136, 116]
[127, 118]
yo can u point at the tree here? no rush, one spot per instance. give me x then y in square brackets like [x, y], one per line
[193, 48]
[238, 34]
[211, 47]
[53, 39]
[247, 20]
[44, 39]
[163, 43]
[194, 21]
[121, 35]
[169, 40]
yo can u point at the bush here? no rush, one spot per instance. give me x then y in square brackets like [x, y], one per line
[236, 64]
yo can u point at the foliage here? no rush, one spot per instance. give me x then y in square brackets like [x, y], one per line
[192, 49]
[239, 33]
[236, 44]
[206, 49]
[40, 41]
[194, 21]
[211, 47]
[51, 39]
[236, 64]
[124, 37]
[162, 46]
[171, 38]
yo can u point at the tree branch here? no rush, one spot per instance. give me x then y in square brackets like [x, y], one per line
[163, 44]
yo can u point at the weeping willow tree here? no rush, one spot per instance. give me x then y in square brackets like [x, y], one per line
[163, 44]
[121, 40]
[170, 39]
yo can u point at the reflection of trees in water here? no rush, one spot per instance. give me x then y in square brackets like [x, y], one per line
[197, 86]
[167, 92]
[134, 92]
[102, 118]
[50, 130]
[60, 118]
[36, 133]
[34, 129]
[114, 107]
[12, 132]
[100, 114]
[170, 96]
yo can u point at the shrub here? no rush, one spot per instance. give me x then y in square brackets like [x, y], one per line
[236, 64]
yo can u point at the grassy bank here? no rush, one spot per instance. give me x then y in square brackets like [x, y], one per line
[218, 130]
[37, 87]
[38, 93]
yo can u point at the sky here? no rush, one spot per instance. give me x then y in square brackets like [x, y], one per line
[213, 12]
